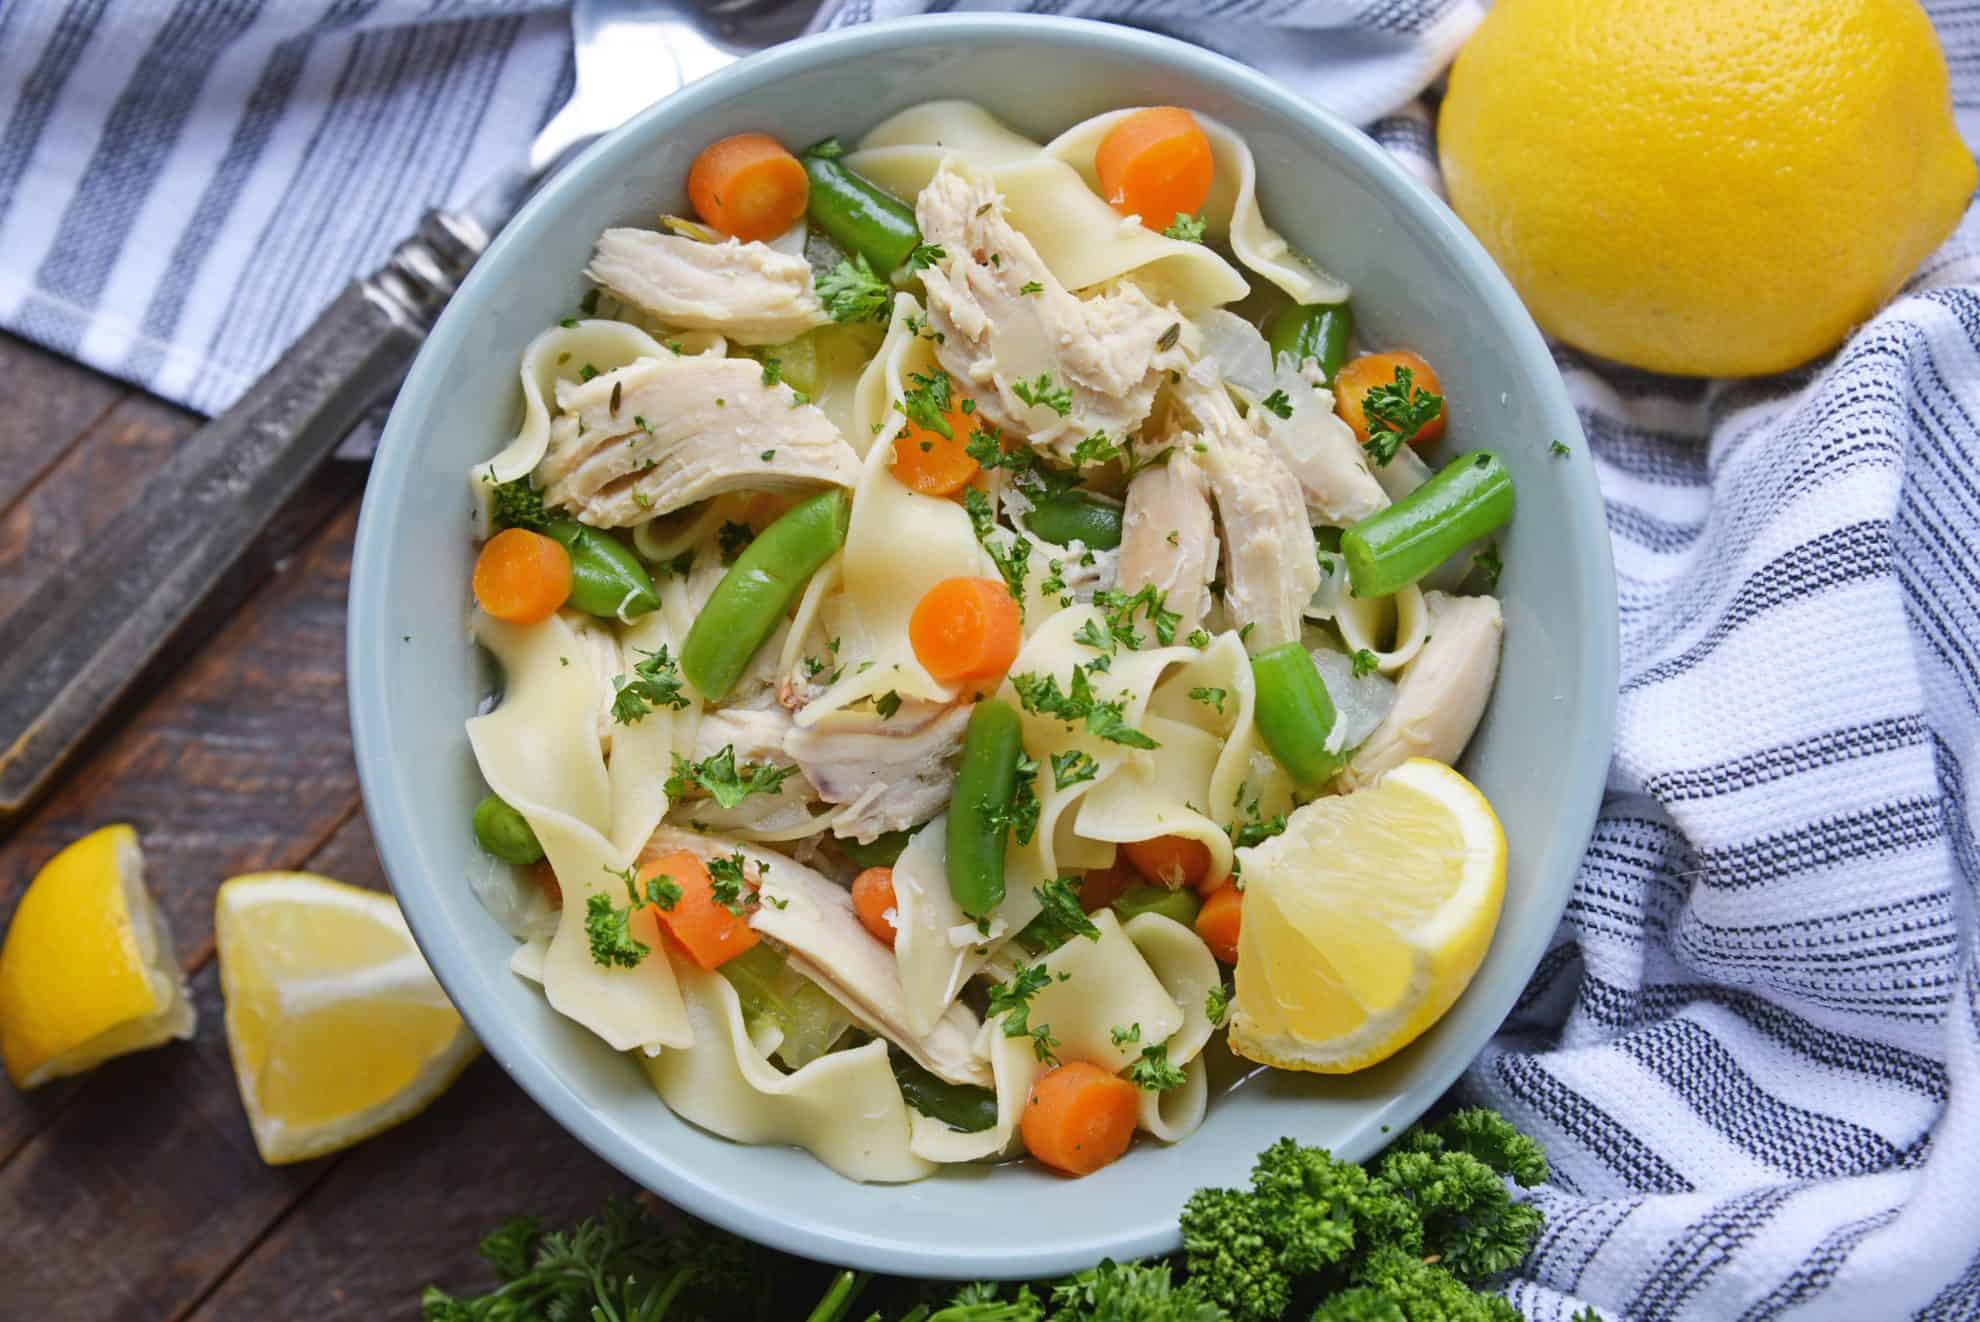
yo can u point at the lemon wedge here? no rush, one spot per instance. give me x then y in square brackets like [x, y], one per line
[1365, 919]
[337, 1027]
[87, 971]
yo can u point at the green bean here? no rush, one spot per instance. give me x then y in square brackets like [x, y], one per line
[504, 832]
[1392, 548]
[607, 579]
[1295, 715]
[1141, 898]
[979, 814]
[859, 215]
[1313, 330]
[957, 1105]
[883, 852]
[758, 589]
[1076, 516]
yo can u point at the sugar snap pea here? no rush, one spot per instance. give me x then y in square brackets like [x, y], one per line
[759, 588]
[979, 814]
[1076, 516]
[504, 832]
[1469, 497]
[1294, 714]
[883, 852]
[957, 1105]
[1141, 898]
[1313, 330]
[607, 579]
[858, 214]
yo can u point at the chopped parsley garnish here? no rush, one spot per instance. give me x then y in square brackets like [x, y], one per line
[733, 537]
[1092, 635]
[767, 456]
[1124, 1036]
[1022, 816]
[1210, 697]
[1153, 1072]
[1257, 830]
[1095, 449]
[654, 682]
[1277, 403]
[1042, 392]
[773, 371]
[725, 782]
[1198, 638]
[1012, 562]
[1031, 287]
[1365, 662]
[924, 255]
[1060, 918]
[1488, 565]
[851, 292]
[887, 704]
[1217, 1005]
[586, 372]
[1012, 1000]
[1041, 695]
[926, 403]
[588, 305]
[1559, 449]
[568, 322]
[607, 926]
[729, 885]
[1186, 227]
[1396, 413]
[520, 505]
[1119, 608]
[1071, 767]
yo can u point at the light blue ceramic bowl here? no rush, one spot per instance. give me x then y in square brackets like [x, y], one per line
[1419, 279]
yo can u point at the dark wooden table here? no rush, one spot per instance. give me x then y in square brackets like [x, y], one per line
[134, 1192]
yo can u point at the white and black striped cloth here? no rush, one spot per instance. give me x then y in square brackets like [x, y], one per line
[1754, 1049]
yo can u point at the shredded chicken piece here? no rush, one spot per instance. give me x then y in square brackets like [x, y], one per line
[813, 917]
[663, 433]
[1270, 563]
[888, 778]
[1442, 691]
[757, 735]
[1168, 537]
[1333, 472]
[1004, 321]
[748, 292]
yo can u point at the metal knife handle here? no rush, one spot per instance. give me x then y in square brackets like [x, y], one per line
[80, 640]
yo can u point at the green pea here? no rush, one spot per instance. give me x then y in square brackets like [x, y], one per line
[1140, 898]
[607, 579]
[504, 832]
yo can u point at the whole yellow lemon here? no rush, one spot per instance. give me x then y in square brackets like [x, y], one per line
[1708, 187]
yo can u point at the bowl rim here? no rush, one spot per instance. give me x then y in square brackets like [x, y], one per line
[368, 632]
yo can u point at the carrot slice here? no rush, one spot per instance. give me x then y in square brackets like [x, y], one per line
[1217, 922]
[709, 933]
[1079, 1117]
[873, 901]
[931, 463]
[522, 577]
[966, 629]
[1155, 164]
[1170, 860]
[1360, 375]
[748, 186]
[1100, 887]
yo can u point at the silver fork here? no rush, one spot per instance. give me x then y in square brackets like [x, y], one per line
[76, 645]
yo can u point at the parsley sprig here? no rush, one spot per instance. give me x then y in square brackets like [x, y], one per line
[851, 292]
[1186, 227]
[608, 925]
[1012, 555]
[1041, 696]
[1012, 1000]
[1396, 412]
[1153, 1072]
[654, 683]
[727, 783]
[1043, 392]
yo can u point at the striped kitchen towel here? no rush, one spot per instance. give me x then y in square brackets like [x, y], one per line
[1753, 1051]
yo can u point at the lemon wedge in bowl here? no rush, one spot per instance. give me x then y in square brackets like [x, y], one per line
[87, 971]
[1365, 919]
[337, 1028]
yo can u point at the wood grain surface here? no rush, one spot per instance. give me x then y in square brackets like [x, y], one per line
[135, 1192]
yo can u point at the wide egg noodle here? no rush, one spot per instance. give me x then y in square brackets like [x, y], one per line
[560, 353]
[1231, 211]
[1173, 1115]
[844, 1108]
[1394, 628]
[1107, 984]
[899, 545]
[539, 751]
[1161, 794]
[1082, 240]
[1244, 767]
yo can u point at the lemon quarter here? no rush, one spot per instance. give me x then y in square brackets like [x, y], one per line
[337, 1028]
[1365, 919]
[87, 971]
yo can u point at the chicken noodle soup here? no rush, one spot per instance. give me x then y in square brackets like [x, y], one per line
[916, 593]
